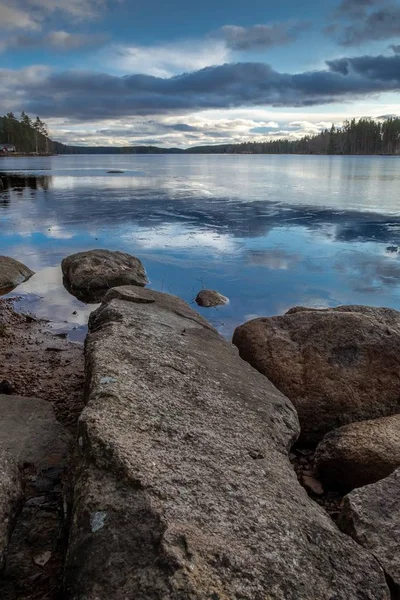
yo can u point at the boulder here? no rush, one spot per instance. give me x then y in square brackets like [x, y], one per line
[88, 275]
[182, 486]
[371, 515]
[30, 433]
[359, 453]
[12, 273]
[337, 365]
[210, 299]
[10, 500]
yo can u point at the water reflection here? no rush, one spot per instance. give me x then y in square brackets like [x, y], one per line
[268, 232]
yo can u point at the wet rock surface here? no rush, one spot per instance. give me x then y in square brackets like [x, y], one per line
[211, 299]
[337, 365]
[34, 361]
[30, 433]
[10, 501]
[89, 275]
[360, 453]
[371, 515]
[12, 273]
[182, 485]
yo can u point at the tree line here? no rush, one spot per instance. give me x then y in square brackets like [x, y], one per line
[362, 136]
[27, 135]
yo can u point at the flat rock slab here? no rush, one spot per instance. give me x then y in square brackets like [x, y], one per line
[337, 365]
[371, 515]
[12, 273]
[360, 453]
[89, 275]
[30, 433]
[182, 486]
[10, 500]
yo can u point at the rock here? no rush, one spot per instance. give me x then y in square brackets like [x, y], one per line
[115, 171]
[337, 365]
[30, 433]
[371, 515]
[359, 453]
[210, 299]
[88, 275]
[10, 500]
[312, 485]
[12, 273]
[182, 487]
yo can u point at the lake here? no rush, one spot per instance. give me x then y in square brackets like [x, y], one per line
[268, 231]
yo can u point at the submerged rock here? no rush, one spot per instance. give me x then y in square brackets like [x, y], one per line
[359, 453]
[89, 275]
[371, 515]
[337, 365]
[182, 487]
[12, 273]
[210, 299]
[10, 500]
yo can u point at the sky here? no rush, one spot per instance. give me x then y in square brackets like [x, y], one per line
[178, 74]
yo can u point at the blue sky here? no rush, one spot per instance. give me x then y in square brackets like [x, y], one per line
[121, 72]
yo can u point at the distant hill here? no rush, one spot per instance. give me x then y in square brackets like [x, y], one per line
[363, 136]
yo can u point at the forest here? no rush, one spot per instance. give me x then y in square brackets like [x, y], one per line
[362, 136]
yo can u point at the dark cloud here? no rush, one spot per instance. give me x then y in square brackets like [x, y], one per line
[261, 36]
[367, 20]
[357, 8]
[92, 96]
[55, 40]
[396, 49]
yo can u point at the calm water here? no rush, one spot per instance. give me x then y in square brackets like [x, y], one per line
[269, 232]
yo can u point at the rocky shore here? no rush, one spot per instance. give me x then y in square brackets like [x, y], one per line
[169, 467]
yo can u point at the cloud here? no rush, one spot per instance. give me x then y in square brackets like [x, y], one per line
[374, 68]
[31, 14]
[14, 18]
[261, 36]
[91, 96]
[56, 40]
[396, 49]
[166, 60]
[78, 9]
[369, 20]
[356, 8]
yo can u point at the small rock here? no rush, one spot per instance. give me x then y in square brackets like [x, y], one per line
[115, 171]
[12, 273]
[42, 559]
[312, 485]
[210, 299]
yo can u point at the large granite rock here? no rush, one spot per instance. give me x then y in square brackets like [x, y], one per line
[359, 453]
[12, 273]
[10, 500]
[30, 433]
[88, 275]
[183, 488]
[336, 365]
[371, 515]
